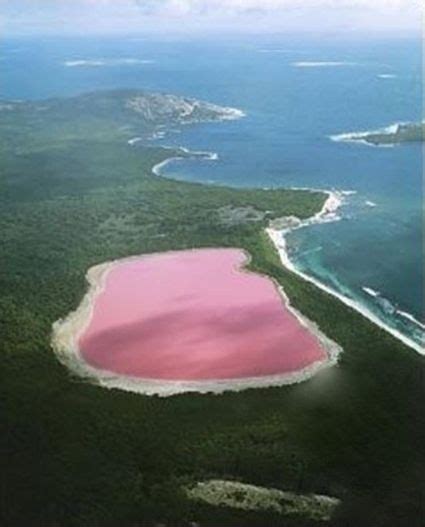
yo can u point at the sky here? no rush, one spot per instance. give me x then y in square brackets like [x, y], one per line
[82, 17]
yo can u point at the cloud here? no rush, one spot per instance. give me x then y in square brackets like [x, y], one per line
[95, 63]
[244, 6]
[322, 64]
[99, 16]
[204, 6]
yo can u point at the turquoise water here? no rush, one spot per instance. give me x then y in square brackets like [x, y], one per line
[284, 139]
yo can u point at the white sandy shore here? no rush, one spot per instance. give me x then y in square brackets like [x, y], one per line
[328, 213]
[362, 137]
[67, 332]
[358, 138]
[186, 154]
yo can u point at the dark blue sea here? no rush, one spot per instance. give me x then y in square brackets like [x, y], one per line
[296, 92]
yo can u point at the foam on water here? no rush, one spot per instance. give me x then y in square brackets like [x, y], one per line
[370, 291]
[134, 140]
[411, 318]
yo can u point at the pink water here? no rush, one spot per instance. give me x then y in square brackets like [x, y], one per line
[194, 315]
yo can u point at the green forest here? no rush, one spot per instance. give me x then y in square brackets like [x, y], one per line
[78, 455]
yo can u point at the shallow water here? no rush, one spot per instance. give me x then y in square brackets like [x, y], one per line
[284, 140]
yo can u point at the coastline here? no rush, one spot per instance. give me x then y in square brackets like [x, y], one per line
[358, 138]
[66, 333]
[327, 214]
[185, 154]
[363, 137]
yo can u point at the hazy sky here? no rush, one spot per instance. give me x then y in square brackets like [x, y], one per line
[192, 16]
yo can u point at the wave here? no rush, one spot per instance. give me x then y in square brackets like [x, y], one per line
[231, 114]
[134, 140]
[411, 318]
[278, 234]
[390, 308]
[387, 76]
[370, 204]
[322, 64]
[371, 291]
[213, 156]
[106, 62]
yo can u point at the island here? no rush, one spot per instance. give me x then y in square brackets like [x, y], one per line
[78, 191]
[392, 135]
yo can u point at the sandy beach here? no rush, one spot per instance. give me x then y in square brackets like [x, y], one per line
[328, 213]
[186, 154]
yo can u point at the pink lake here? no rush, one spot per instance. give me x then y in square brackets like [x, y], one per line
[194, 315]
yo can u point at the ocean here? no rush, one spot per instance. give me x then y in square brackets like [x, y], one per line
[296, 92]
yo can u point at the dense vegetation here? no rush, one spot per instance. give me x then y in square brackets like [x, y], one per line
[77, 455]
